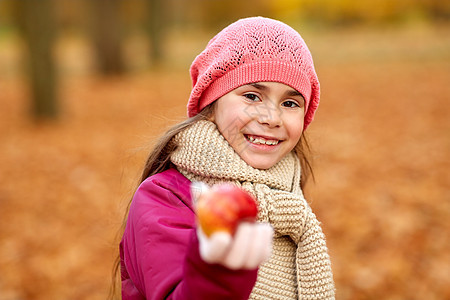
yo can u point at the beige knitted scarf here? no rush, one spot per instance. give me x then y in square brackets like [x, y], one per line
[299, 267]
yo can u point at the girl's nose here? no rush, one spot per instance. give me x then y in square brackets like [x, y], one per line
[270, 115]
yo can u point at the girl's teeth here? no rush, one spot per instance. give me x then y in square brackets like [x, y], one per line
[262, 141]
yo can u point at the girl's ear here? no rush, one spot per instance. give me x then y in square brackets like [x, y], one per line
[211, 112]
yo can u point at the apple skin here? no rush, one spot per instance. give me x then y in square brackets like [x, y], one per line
[223, 206]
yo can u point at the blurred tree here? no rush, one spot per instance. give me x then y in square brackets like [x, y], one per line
[37, 24]
[156, 26]
[107, 35]
[438, 9]
[219, 13]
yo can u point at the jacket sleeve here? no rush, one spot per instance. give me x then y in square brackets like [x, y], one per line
[160, 252]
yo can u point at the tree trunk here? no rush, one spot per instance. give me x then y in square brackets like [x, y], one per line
[156, 28]
[37, 23]
[107, 34]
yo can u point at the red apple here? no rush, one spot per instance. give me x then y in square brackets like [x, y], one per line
[223, 206]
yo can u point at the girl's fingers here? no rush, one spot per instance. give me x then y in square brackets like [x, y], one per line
[213, 248]
[261, 246]
[235, 258]
[198, 188]
[268, 234]
[250, 246]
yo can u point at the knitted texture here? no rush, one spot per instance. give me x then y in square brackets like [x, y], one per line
[299, 267]
[254, 50]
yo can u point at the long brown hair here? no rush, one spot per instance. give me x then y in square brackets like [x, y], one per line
[159, 161]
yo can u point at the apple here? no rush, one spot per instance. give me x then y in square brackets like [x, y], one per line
[223, 206]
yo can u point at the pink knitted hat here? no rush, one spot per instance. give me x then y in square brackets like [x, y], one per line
[252, 50]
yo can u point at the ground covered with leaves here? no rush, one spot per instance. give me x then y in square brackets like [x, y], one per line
[381, 159]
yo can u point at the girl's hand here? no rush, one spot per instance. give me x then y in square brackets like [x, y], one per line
[250, 246]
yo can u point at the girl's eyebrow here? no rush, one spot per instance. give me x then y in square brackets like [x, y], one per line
[259, 86]
[262, 87]
[293, 93]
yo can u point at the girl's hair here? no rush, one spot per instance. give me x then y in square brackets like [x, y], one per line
[159, 161]
[159, 158]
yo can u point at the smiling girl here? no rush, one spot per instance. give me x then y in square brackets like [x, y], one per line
[255, 91]
[267, 121]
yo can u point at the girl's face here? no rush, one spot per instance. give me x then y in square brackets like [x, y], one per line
[262, 121]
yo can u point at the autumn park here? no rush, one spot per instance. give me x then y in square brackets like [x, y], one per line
[86, 88]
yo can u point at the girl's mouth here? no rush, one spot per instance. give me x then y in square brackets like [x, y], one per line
[254, 139]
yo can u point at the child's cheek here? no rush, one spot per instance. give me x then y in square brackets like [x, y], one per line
[248, 112]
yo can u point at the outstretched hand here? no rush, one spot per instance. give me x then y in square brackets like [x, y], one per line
[245, 246]
[250, 246]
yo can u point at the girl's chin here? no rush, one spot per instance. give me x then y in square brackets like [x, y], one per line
[262, 164]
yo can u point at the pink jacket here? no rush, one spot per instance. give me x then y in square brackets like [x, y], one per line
[159, 249]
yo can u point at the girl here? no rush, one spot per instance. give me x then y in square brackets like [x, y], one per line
[254, 93]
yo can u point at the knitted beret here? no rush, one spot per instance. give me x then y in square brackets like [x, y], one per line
[255, 49]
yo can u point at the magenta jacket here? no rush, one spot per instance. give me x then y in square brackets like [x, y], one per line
[159, 249]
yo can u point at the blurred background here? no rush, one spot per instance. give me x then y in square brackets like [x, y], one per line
[86, 86]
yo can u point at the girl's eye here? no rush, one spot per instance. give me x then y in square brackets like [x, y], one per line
[252, 97]
[290, 104]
